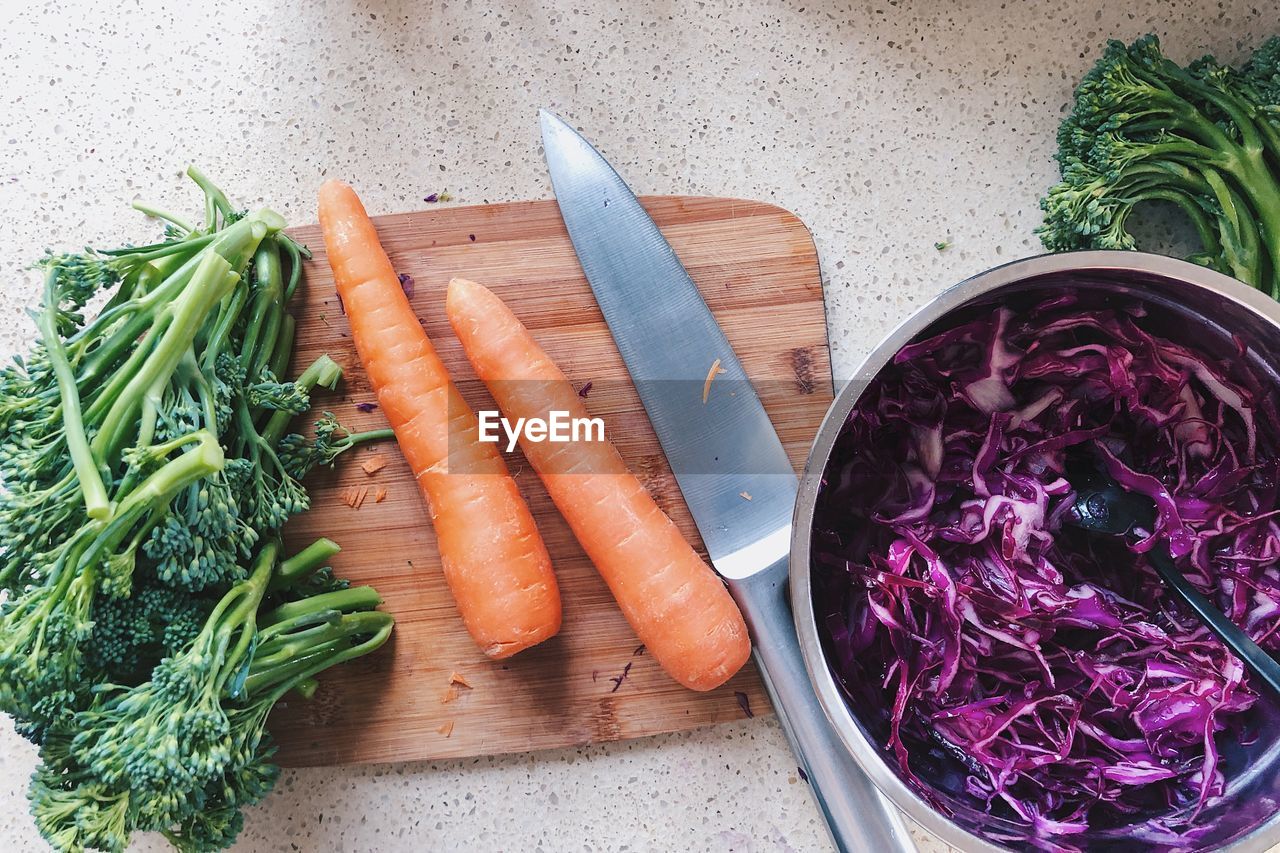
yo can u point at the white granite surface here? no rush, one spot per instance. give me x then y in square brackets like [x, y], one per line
[887, 125]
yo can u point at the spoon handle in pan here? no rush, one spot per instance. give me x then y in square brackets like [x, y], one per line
[1253, 656]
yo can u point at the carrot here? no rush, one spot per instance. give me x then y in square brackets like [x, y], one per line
[494, 560]
[674, 602]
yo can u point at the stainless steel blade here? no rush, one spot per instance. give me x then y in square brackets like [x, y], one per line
[724, 452]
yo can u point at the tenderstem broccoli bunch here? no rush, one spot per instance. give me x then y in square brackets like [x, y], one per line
[147, 467]
[1204, 138]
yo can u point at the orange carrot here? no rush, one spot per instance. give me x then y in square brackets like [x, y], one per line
[674, 602]
[494, 560]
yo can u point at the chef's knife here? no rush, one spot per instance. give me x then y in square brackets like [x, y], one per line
[724, 452]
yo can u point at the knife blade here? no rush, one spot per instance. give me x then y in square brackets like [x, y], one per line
[670, 341]
[721, 446]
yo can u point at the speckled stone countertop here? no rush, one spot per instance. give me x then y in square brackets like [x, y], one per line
[886, 125]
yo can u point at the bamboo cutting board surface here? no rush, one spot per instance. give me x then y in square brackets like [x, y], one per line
[757, 269]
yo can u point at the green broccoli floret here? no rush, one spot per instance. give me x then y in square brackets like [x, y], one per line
[72, 811]
[1202, 138]
[203, 541]
[268, 393]
[131, 634]
[218, 823]
[271, 493]
[300, 457]
[1262, 73]
[228, 383]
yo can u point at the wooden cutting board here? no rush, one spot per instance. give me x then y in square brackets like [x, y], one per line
[757, 269]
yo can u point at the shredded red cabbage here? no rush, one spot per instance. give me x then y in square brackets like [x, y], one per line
[1018, 666]
[406, 284]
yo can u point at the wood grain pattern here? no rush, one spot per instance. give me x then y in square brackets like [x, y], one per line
[758, 271]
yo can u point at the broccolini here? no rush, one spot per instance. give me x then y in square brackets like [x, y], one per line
[1204, 138]
[147, 468]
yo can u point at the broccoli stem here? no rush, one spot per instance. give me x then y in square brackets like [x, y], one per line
[304, 563]
[164, 216]
[296, 253]
[1261, 189]
[293, 642]
[205, 457]
[264, 316]
[1175, 183]
[342, 600]
[149, 411]
[384, 434]
[324, 371]
[314, 649]
[141, 464]
[220, 336]
[1200, 221]
[234, 243]
[186, 247]
[181, 320]
[234, 616]
[192, 377]
[154, 495]
[83, 460]
[1255, 176]
[248, 609]
[378, 623]
[215, 201]
[160, 259]
[1238, 232]
[111, 390]
[1184, 116]
[1270, 135]
[1244, 160]
[1241, 115]
[279, 363]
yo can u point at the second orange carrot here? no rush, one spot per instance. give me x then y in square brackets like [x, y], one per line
[677, 606]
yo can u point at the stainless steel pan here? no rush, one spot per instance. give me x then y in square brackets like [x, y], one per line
[1209, 306]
